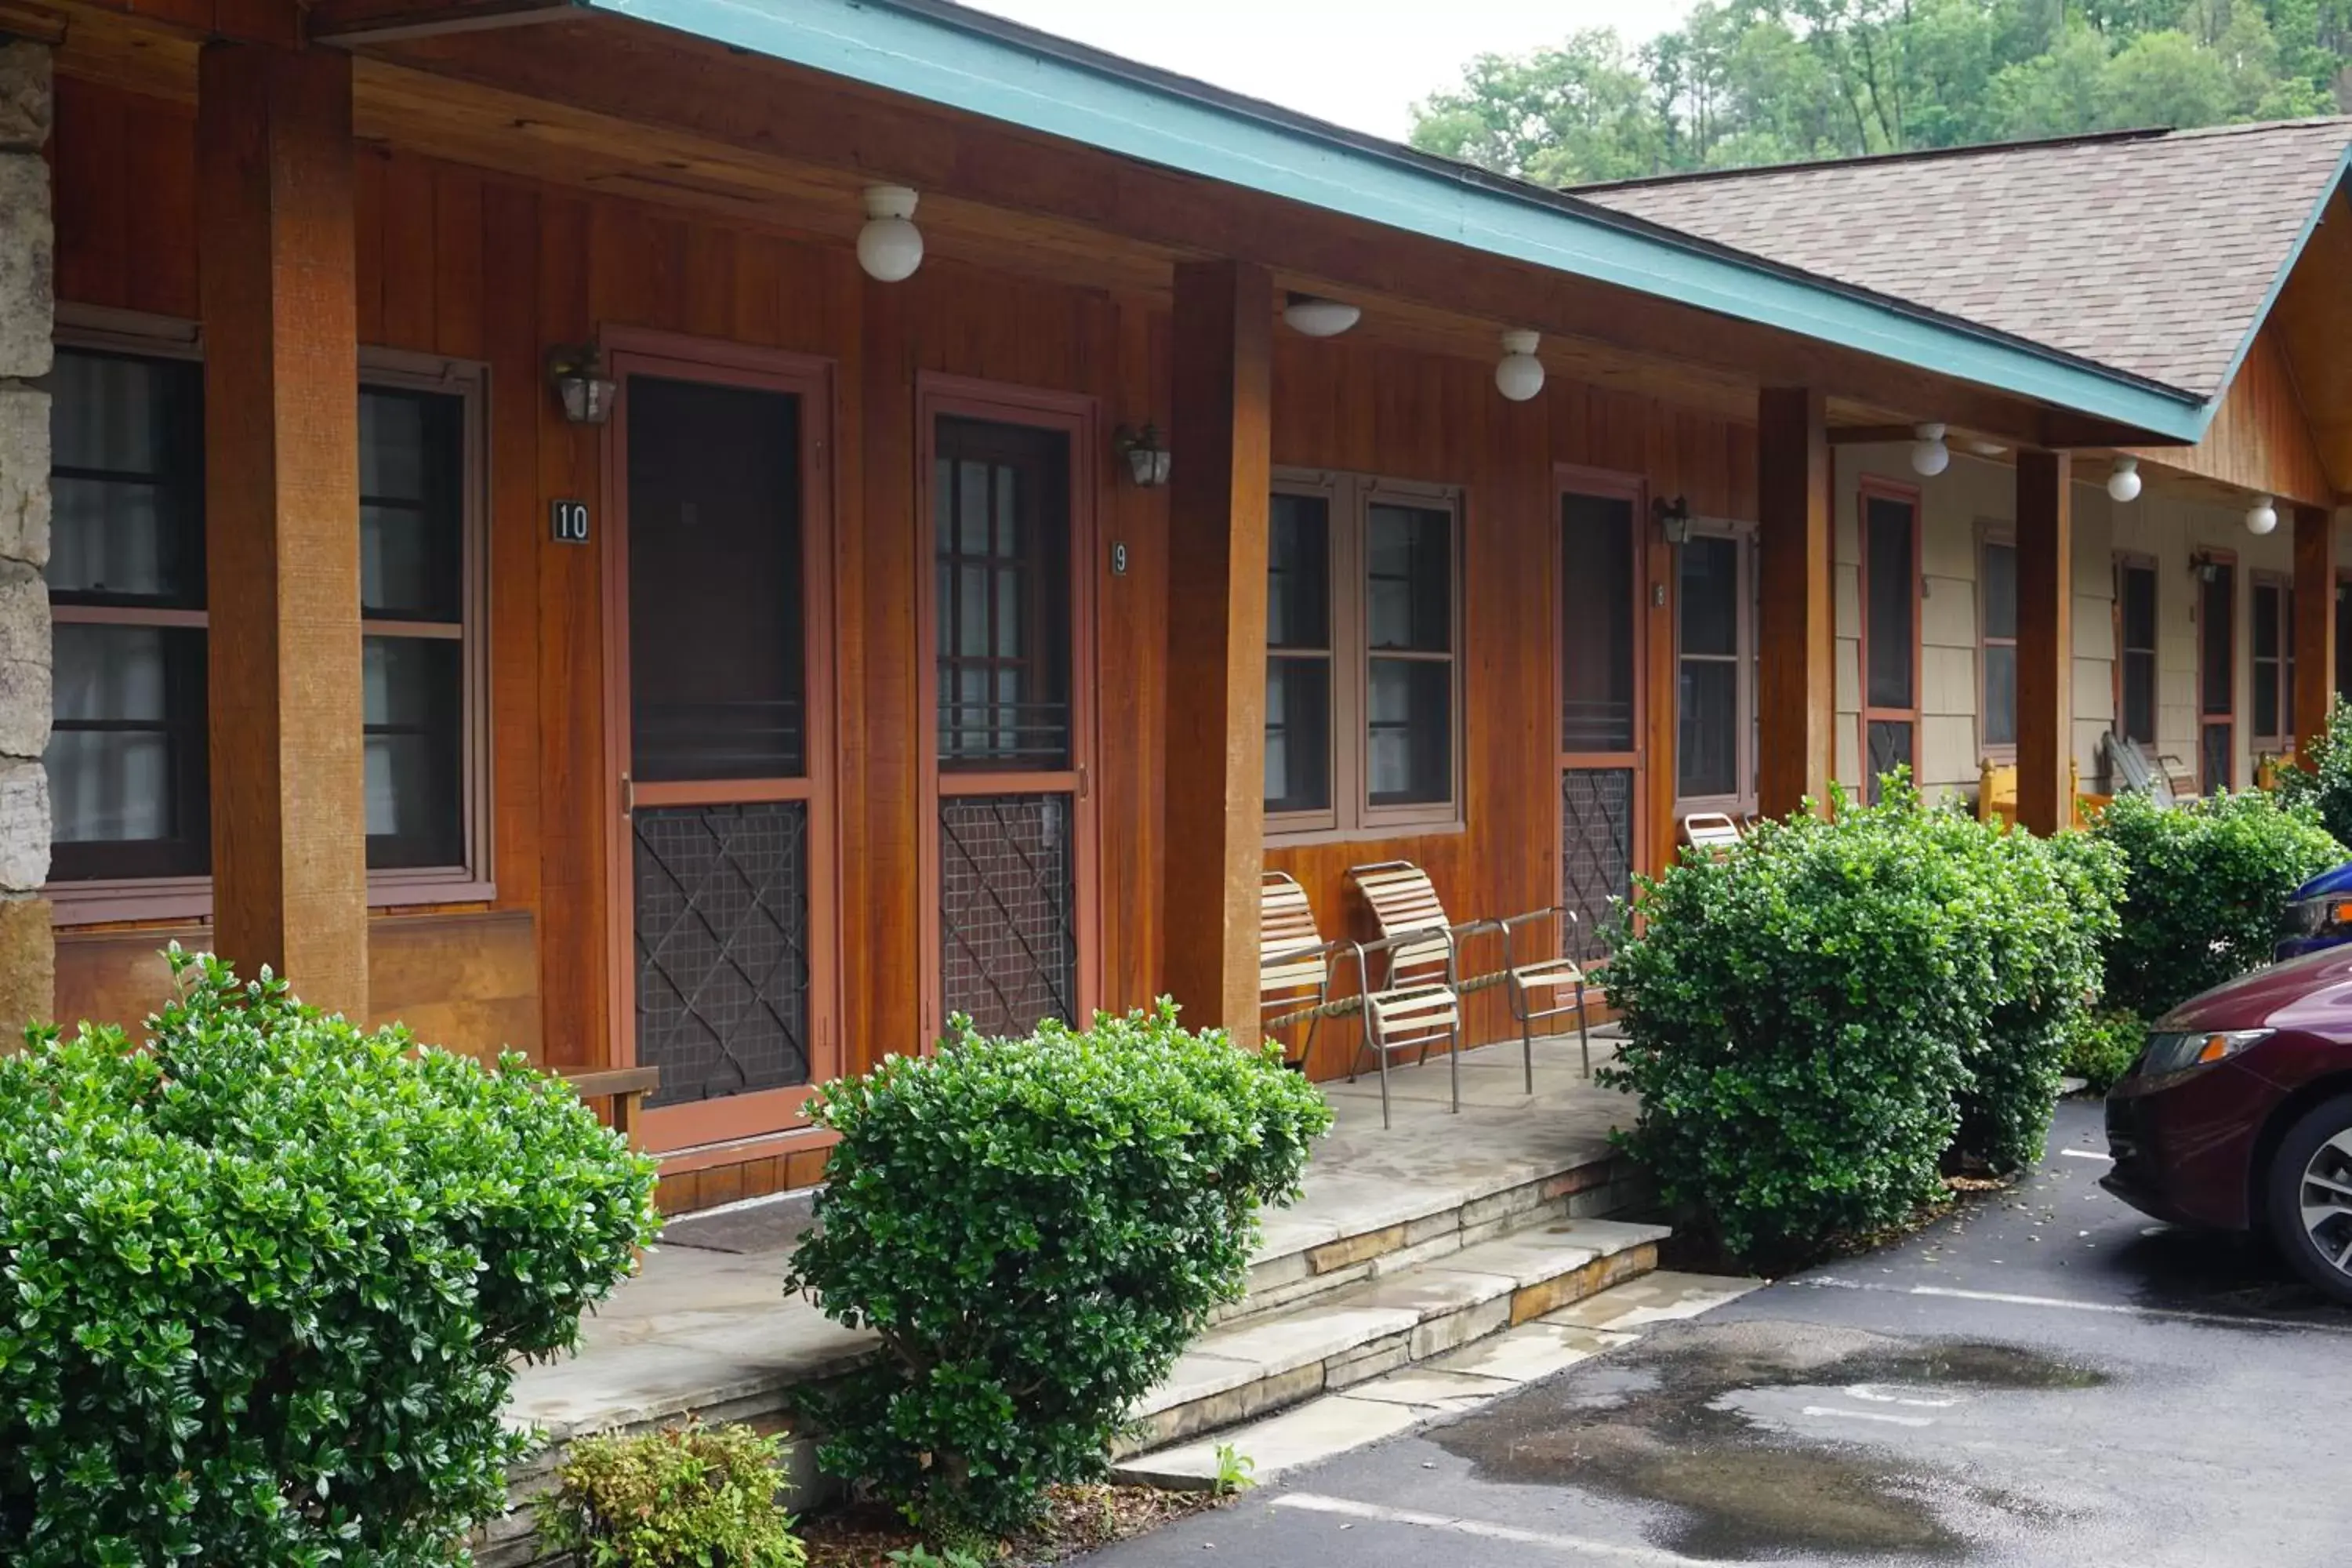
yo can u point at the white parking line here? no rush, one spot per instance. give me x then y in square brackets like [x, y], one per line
[1881, 1416]
[2112, 1309]
[1580, 1545]
[1870, 1392]
[2088, 1154]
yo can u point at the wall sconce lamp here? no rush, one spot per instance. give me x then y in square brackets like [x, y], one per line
[1147, 454]
[2207, 569]
[1674, 519]
[576, 370]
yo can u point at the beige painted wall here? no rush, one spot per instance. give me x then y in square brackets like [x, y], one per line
[1976, 494]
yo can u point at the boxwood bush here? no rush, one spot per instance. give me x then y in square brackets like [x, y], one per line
[1036, 1228]
[2326, 785]
[265, 1280]
[2209, 886]
[1818, 1018]
[687, 1497]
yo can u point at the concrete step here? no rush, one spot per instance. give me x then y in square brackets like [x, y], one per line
[1402, 1315]
[1472, 1374]
[1351, 1229]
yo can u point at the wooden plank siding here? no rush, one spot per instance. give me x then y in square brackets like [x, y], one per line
[492, 266]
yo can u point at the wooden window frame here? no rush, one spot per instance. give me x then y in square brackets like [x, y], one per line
[1873, 488]
[2138, 561]
[471, 880]
[1349, 498]
[97, 899]
[1991, 535]
[1293, 826]
[109, 899]
[776, 1115]
[1742, 803]
[1078, 417]
[2228, 718]
[2281, 740]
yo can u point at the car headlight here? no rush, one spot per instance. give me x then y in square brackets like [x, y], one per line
[2169, 1053]
[2329, 916]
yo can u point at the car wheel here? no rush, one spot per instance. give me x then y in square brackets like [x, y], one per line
[2310, 1204]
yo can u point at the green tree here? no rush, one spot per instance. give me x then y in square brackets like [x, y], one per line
[1743, 83]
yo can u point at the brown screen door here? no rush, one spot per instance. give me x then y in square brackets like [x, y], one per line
[719, 675]
[1600, 689]
[1010, 853]
[1890, 634]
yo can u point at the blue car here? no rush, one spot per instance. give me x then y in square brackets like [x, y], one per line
[2319, 916]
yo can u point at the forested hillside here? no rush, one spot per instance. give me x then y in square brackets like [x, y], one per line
[1745, 82]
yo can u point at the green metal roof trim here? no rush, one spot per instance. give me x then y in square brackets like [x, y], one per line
[947, 55]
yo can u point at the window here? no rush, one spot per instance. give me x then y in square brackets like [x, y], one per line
[1003, 540]
[1996, 642]
[126, 758]
[1715, 674]
[1363, 723]
[2273, 662]
[2217, 672]
[1890, 632]
[127, 752]
[2136, 649]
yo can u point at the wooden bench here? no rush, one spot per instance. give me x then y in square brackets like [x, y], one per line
[624, 1087]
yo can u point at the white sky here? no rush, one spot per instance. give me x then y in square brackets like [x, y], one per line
[1359, 62]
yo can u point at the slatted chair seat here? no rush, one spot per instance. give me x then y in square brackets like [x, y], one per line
[1406, 908]
[1294, 962]
[1710, 832]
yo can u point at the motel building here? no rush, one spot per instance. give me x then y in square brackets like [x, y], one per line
[710, 535]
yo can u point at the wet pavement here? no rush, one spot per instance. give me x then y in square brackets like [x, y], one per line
[2045, 1377]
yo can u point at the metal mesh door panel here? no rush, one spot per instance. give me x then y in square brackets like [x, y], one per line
[1596, 837]
[722, 948]
[1008, 909]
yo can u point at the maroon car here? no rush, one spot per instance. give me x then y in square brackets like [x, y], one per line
[2239, 1114]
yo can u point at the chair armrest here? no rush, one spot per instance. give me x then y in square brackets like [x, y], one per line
[1561, 912]
[1418, 937]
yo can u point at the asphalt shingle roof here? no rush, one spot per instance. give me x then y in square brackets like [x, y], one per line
[2152, 254]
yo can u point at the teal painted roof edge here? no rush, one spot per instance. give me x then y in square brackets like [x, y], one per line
[1003, 72]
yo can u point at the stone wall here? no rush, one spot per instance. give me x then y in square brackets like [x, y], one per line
[28, 311]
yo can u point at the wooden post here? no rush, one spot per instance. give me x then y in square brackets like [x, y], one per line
[1796, 686]
[2045, 641]
[281, 504]
[1220, 438]
[2315, 625]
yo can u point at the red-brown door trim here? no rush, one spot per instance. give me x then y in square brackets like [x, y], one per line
[1655, 750]
[1874, 487]
[637, 351]
[1078, 416]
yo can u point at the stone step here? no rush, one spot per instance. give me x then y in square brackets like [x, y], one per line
[1352, 1230]
[1465, 1378]
[1401, 1316]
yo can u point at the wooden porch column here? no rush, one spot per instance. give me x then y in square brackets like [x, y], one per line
[1796, 684]
[2315, 625]
[1222, 471]
[281, 524]
[2045, 641]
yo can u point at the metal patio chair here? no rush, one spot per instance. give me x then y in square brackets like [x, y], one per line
[1711, 831]
[1418, 1012]
[1294, 962]
[1403, 900]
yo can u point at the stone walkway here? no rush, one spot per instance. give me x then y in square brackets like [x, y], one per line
[706, 1326]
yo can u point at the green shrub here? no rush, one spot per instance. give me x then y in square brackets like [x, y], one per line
[1816, 1017]
[1036, 1228]
[692, 1496]
[2325, 786]
[2103, 1045]
[2208, 892]
[265, 1279]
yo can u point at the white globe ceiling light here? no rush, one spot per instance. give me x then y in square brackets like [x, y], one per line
[889, 247]
[2261, 517]
[1929, 456]
[1519, 376]
[2123, 480]
[1314, 317]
